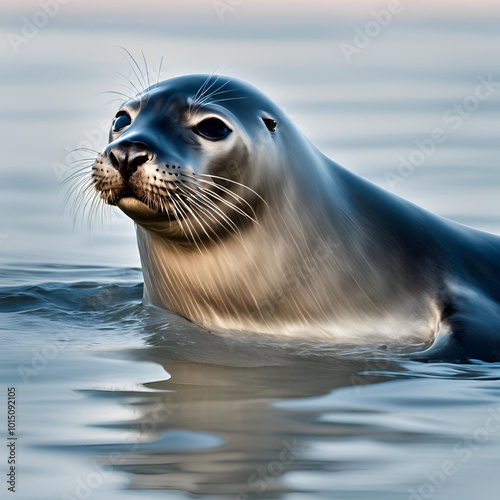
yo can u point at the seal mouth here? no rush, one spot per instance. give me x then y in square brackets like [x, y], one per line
[168, 202]
[174, 198]
[149, 203]
[138, 210]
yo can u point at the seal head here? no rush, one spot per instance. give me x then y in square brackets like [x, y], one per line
[178, 157]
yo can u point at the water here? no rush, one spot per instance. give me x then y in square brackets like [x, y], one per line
[121, 400]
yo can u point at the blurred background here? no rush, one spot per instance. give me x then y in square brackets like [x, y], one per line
[364, 80]
[120, 400]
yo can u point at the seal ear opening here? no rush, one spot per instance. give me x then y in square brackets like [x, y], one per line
[270, 124]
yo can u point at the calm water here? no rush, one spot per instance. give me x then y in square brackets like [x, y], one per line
[121, 400]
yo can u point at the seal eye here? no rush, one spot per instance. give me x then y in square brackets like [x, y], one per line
[121, 120]
[270, 124]
[212, 129]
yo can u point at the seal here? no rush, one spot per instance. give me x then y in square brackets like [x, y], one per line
[242, 224]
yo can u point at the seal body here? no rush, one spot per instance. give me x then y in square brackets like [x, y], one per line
[242, 224]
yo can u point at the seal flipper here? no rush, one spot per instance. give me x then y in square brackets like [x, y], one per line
[469, 329]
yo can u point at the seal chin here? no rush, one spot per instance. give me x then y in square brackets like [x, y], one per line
[139, 211]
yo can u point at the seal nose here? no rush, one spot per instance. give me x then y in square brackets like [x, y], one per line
[128, 156]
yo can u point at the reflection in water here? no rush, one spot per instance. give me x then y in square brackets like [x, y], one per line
[312, 422]
[217, 429]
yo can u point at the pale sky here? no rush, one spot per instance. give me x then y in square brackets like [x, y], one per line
[262, 9]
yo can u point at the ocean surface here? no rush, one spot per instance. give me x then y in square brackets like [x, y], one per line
[120, 400]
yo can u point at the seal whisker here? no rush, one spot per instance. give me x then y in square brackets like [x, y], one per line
[163, 204]
[228, 99]
[79, 160]
[159, 72]
[86, 158]
[132, 87]
[200, 222]
[195, 96]
[177, 216]
[200, 207]
[143, 83]
[76, 179]
[204, 97]
[79, 170]
[204, 93]
[79, 185]
[215, 209]
[189, 225]
[210, 86]
[112, 101]
[204, 84]
[146, 68]
[207, 100]
[218, 90]
[88, 150]
[215, 93]
[116, 92]
[204, 89]
[137, 91]
[232, 181]
[82, 171]
[230, 193]
[85, 196]
[153, 201]
[150, 200]
[95, 209]
[79, 179]
[231, 205]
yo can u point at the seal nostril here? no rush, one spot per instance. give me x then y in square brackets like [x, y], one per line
[136, 162]
[114, 160]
